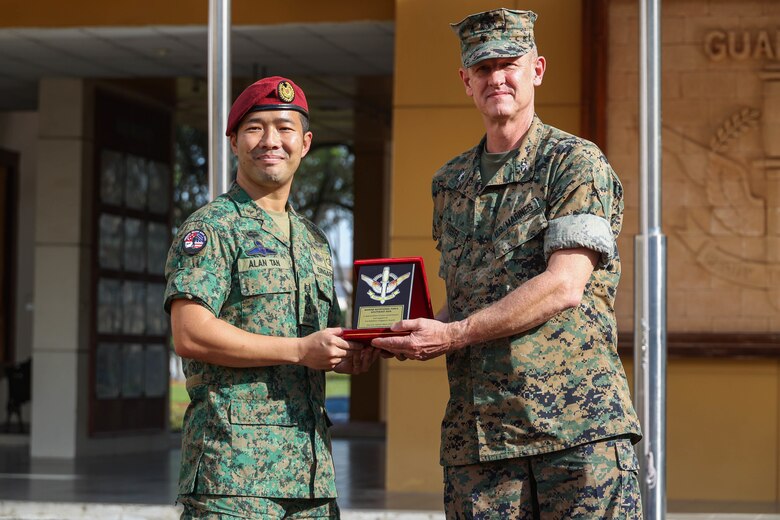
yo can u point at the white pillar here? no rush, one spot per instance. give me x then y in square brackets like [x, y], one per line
[61, 269]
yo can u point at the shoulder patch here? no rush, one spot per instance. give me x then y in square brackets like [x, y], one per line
[194, 242]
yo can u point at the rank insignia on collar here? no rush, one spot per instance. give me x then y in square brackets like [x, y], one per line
[285, 91]
[261, 250]
[194, 242]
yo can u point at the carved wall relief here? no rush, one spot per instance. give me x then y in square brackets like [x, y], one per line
[720, 79]
[736, 170]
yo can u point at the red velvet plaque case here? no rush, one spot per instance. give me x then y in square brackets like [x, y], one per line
[387, 290]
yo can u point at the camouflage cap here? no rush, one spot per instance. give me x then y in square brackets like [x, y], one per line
[499, 33]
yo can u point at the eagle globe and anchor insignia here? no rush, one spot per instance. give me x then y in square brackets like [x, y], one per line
[286, 91]
[384, 286]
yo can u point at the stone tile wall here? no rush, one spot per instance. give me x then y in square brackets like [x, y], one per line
[721, 159]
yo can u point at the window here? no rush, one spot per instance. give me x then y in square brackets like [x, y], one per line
[132, 223]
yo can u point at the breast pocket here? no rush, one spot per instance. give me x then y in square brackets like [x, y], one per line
[324, 299]
[268, 302]
[452, 243]
[520, 249]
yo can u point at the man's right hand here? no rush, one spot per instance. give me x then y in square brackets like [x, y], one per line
[427, 339]
[323, 350]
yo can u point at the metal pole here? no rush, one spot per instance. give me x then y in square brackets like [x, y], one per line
[650, 274]
[219, 95]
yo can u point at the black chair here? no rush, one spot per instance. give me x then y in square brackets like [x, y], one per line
[19, 382]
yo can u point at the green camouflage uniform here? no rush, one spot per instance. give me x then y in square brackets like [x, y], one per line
[560, 384]
[255, 432]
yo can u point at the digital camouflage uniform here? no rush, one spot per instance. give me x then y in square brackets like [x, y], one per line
[255, 432]
[561, 384]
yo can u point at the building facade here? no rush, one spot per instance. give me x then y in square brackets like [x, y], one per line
[66, 141]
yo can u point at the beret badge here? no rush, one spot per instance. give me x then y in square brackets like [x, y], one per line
[285, 91]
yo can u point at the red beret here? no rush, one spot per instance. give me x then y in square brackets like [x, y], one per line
[274, 93]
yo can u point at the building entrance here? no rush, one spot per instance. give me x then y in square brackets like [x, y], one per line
[8, 166]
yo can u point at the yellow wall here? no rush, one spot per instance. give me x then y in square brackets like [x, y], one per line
[723, 425]
[433, 120]
[723, 431]
[78, 13]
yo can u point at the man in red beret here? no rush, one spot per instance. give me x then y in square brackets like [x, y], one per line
[254, 316]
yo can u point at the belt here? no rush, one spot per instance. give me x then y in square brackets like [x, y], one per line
[194, 381]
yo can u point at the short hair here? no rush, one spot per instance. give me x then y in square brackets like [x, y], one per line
[304, 122]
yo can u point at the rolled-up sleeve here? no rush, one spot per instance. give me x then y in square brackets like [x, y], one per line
[584, 230]
[585, 204]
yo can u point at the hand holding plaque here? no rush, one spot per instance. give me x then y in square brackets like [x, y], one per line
[387, 290]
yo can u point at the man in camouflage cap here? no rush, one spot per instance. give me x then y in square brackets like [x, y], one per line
[539, 423]
[254, 316]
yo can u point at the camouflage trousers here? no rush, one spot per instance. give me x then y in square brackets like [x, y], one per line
[591, 481]
[220, 507]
